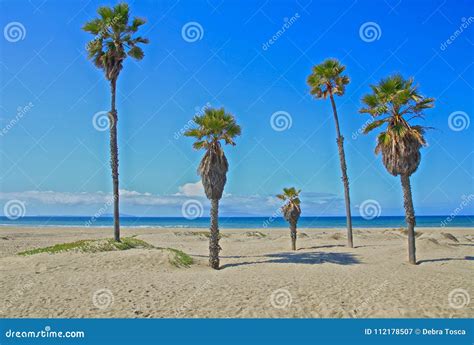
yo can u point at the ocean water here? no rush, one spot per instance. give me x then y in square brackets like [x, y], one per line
[241, 222]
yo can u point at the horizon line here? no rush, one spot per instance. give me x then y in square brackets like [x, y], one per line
[266, 216]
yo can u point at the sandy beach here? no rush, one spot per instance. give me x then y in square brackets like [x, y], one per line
[260, 276]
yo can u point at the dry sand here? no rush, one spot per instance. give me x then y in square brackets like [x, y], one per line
[260, 276]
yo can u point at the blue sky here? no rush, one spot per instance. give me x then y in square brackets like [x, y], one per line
[56, 162]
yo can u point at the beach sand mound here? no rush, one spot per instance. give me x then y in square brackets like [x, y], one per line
[440, 239]
[255, 234]
[432, 242]
[91, 246]
[174, 257]
[450, 237]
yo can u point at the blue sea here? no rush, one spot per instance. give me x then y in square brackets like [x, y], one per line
[241, 222]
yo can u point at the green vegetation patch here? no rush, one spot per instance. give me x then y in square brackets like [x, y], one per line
[205, 234]
[179, 258]
[91, 246]
[176, 257]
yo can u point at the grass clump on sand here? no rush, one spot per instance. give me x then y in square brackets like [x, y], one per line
[257, 234]
[404, 232]
[205, 234]
[450, 237]
[179, 258]
[91, 246]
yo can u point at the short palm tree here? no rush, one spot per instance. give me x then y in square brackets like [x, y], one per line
[114, 40]
[291, 210]
[214, 126]
[393, 103]
[327, 80]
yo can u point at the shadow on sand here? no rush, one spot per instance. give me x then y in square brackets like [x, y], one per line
[302, 258]
[467, 258]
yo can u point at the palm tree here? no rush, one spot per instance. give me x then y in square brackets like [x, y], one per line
[327, 80]
[291, 210]
[390, 103]
[114, 40]
[214, 126]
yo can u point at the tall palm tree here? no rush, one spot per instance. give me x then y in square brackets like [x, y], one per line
[291, 210]
[214, 126]
[393, 103]
[327, 80]
[114, 40]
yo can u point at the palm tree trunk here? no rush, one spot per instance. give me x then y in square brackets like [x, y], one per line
[114, 160]
[345, 179]
[409, 217]
[293, 235]
[214, 247]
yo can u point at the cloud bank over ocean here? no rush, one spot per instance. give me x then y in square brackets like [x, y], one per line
[148, 204]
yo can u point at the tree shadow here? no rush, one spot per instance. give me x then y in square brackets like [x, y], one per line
[323, 246]
[302, 258]
[339, 246]
[466, 258]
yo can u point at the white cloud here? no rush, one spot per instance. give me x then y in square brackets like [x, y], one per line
[192, 189]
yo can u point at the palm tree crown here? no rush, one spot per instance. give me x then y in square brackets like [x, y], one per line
[327, 79]
[214, 126]
[391, 102]
[114, 39]
[291, 209]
